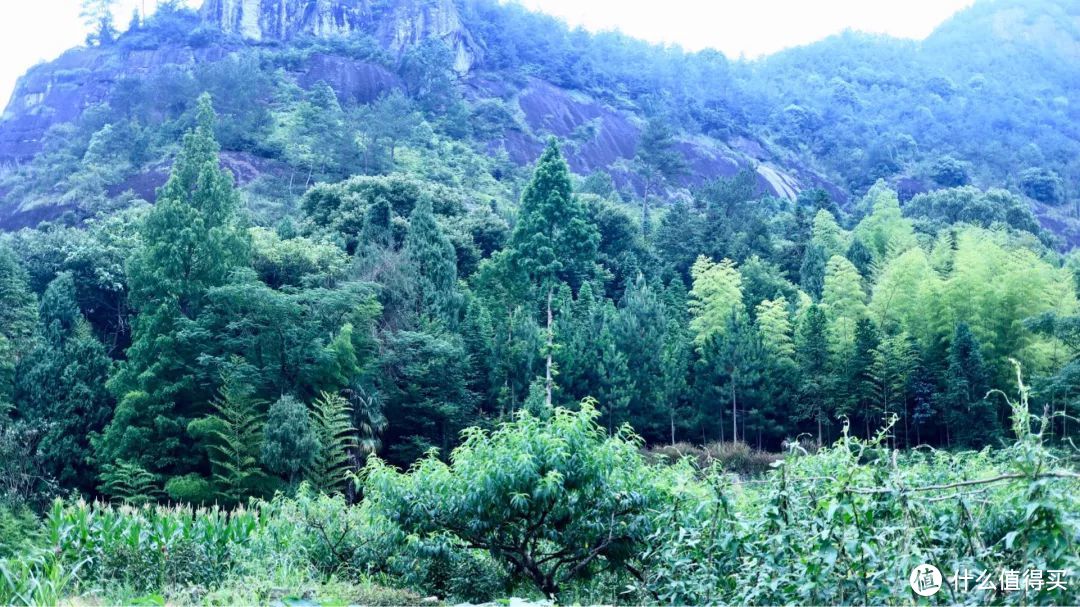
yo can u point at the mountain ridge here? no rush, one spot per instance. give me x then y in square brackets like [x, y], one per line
[816, 116]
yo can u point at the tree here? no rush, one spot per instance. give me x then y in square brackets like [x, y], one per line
[733, 359]
[774, 326]
[62, 386]
[431, 263]
[844, 302]
[893, 369]
[812, 270]
[970, 418]
[290, 443]
[715, 297]
[190, 242]
[885, 231]
[552, 241]
[18, 315]
[423, 382]
[97, 15]
[641, 331]
[656, 161]
[1043, 185]
[578, 505]
[812, 354]
[388, 121]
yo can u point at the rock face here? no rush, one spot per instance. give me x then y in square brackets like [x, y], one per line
[397, 26]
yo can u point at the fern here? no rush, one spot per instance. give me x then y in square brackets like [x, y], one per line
[238, 429]
[331, 416]
[129, 483]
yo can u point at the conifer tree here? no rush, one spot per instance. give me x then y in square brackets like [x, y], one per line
[552, 241]
[432, 264]
[812, 354]
[189, 243]
[970, 418]
[18, 315]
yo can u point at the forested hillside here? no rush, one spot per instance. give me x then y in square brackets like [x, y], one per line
[261, 264]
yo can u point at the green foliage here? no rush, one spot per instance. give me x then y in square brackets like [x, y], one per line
[331, 417]
[576, 505]
[290, 443]
[235, 439]
[129, 483]
[190, 242]
[715, 298]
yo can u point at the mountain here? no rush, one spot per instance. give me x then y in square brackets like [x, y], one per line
[986, 100]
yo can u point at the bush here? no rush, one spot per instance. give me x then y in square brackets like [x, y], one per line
[555, 500]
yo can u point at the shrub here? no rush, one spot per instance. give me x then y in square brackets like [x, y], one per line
[556, 500]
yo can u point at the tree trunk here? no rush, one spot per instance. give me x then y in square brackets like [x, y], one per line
[548, 383]
[734, 414]
[671, 415]
[645, 210]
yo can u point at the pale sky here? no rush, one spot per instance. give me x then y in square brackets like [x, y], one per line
[39, 30]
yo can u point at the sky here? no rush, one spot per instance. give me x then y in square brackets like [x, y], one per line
[32, 31]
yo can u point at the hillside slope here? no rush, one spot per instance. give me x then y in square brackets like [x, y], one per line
[837, 115]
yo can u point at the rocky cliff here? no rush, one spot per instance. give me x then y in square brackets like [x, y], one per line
[397, 26]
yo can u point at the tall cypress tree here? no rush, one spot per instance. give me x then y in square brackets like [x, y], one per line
[432, 264]
[190, 242]
[552, 241]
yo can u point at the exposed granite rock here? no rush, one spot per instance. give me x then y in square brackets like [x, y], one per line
[398, 27]
[353, 81]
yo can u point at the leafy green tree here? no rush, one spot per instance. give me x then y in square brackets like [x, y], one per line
[844, 302]
[388, 122]
[775, 328]
[577, 506]
[190, 242]
[62, 387]
[716, 297]
[290, 444]
[885, 231]
[828, 235]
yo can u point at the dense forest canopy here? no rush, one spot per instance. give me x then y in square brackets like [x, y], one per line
[247, 286]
